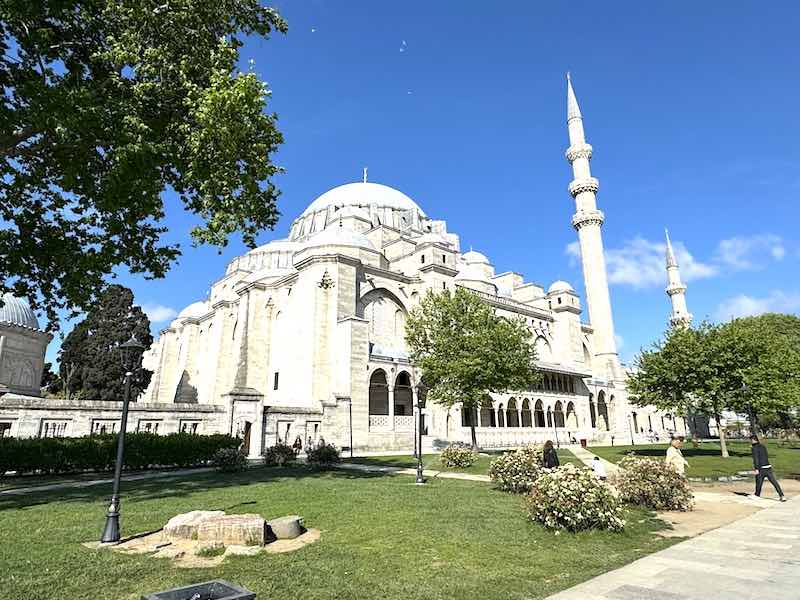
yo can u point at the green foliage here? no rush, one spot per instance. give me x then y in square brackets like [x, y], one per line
[465, 350]
[89, 363]
[210, 551]
[279, 455]
[98, 452]
[650, 483]
[108, 103]
[705, 367]
[229, 460]
[325, 456]
[458, 456]
[517, 471]
[572, 498]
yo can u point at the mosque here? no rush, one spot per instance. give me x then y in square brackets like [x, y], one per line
[304, 336]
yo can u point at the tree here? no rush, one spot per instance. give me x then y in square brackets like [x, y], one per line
[90, 365]
[705, 368]
[106, 104]
[465, 350]
[679, 373]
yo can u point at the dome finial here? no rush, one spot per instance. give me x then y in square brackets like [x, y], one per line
[365, 174]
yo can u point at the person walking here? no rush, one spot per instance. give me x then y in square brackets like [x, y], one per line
[762, 469]
[549, 456]
[675, 456]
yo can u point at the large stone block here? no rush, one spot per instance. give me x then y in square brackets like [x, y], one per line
[184, 527]
[287, 528]
[244, 530]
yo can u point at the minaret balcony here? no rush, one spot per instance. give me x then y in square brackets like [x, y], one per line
[591, 217]
[577, 151]
[579, 186]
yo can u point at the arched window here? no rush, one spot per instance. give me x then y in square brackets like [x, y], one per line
[512, 417]
[538, 414]
[549, 417]
[501, 416]
[572, 418]
[378, 393]
[403, 397]
[487, 414]
[558, 414]
[602, 411]
[527, 421]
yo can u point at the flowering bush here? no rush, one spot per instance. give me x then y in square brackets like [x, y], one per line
[324, 456]
[572, 498]
[516, 471]
[652, 483]
[279, 455]
[458, 456]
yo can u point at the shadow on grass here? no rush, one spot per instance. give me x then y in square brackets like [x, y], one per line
[687, 452]
[179, 486]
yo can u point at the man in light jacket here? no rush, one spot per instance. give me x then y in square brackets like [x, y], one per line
[675, 456]
[762, 469]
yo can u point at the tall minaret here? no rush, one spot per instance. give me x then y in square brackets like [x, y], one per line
[587, 222]
[675, 289]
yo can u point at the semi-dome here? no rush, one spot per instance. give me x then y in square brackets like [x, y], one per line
[339, 236]
[362, 194]
[194, 310]
[560, 286]
[16, 311]
[472, 272]
[474, 258]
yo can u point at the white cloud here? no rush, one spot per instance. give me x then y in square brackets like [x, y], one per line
[158, 313]
[641, 263]
[745, 253]
[747, 306]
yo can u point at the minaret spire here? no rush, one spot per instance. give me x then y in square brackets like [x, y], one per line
[676, 290]
[588, 221]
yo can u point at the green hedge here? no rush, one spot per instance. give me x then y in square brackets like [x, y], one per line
[98, 452]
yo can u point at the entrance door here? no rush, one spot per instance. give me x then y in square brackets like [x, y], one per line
[284, 432]
[246, 440]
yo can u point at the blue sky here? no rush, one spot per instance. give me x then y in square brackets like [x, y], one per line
[691, 108]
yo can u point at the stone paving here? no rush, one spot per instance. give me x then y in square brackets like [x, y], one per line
[753, 558]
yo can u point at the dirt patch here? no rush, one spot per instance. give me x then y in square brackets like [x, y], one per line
[707, 515]
[185, 552]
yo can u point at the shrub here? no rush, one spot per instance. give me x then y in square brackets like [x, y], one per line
[98, 452]
[517, 471]
[653, 484]
[324, 456]
[573, 499]
[458, 457]
[279, 455]
[229, 460]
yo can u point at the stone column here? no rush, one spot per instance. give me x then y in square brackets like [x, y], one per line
[391, 406]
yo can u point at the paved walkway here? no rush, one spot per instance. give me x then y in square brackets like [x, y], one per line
[754, 558]
[586, 458]
[405, 471]
[63, 485]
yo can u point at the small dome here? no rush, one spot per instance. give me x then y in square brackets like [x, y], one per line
[474, 258]
[471, 272]
[362, 194]
[339, 236]
[17, 312]
[281, 245]
[194, 310]
[560, 286]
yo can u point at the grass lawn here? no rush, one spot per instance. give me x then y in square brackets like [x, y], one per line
[706, 461]
[382, 537]
[431, 461]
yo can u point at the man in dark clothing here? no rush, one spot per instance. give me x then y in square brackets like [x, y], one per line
[762, 469]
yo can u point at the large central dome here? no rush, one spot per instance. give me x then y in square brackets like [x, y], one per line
[362, 194]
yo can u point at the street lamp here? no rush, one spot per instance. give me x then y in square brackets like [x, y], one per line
[131, 357]
[630, 426]
[421, 388]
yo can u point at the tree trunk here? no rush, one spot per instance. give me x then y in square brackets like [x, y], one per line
[723, 446]
[475, 447]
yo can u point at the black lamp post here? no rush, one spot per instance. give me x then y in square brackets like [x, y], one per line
[420, 405]
[131, 357]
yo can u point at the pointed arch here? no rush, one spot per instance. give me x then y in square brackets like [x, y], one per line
[403, 396]
[572, 417]
[538, 414]
[512, 416]
[501, 416]
[527, 421]
[378, 393]
[558, 414]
